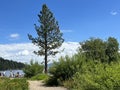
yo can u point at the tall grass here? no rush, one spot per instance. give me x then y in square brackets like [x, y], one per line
[13, 84]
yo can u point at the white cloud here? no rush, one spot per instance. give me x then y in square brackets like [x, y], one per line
[24, 52]
[14, 35]
[114, 13]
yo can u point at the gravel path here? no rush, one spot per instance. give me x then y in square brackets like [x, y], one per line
[38, 85]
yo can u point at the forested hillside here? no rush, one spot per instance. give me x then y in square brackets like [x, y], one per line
[9, 64]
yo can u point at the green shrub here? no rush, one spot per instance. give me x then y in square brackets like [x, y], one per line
[13, 84]
[65, 68]
[68, 83]
[101, 77]
[33, 69]
[52, 81]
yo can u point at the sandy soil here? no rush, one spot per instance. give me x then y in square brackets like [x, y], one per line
[39, 85]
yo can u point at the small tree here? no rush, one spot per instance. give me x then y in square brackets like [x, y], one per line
[97, 49]
[49, 35]
[94, 49]
[112, 49]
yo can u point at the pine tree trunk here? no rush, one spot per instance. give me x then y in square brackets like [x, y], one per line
[45, 62]
[46, 53]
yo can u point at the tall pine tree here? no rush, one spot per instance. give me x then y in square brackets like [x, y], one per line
[48, 37]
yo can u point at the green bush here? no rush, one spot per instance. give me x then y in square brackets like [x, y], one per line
[13, 84]
[97, 77]
[65, 68]
[33, 69]
[52, 81]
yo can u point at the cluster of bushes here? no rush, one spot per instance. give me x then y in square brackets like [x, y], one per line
[64, 69]
[13, 84]
[76, 73]
[88, 70]
[96, 77]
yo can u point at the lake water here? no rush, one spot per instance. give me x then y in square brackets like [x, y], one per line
[12, 73]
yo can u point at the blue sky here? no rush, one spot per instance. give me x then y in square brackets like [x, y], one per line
[78, 19]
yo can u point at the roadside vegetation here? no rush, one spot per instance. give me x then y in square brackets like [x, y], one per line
[96, 66]
[13, 84]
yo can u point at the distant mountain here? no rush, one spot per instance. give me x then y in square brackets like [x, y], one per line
[10, 65]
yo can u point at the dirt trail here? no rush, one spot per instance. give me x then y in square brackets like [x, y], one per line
[38, 85]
